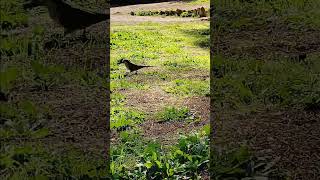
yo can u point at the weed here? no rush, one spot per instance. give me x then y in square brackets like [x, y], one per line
[187, 158]
[136, 157]
[122, 118]
[88, 78]
[174, 114]
[13, 46]
[18, 162]
[12, 15]
[7, 79]
[24, 119]
[46, 76]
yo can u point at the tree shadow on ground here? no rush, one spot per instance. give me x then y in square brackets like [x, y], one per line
[202, 35]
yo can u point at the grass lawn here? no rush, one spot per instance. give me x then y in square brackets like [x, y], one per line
[151, 105]
[266, 83]
[265, 90]
[53, 96]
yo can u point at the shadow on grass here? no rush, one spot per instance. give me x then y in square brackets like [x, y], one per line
[202, 35]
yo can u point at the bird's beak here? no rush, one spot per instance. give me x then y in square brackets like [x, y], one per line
[120, 62]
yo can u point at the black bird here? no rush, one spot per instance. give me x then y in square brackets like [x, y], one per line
[70, 18]
[130, 66]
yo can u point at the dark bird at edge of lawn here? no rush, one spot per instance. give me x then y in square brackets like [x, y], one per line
[130, 66]
[70, 18]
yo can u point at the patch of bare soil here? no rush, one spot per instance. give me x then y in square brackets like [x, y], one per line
[197, 74]
[78, 117]
[150, 101]
[122, 14]
[200, 106]
[154, 100]
[290, 136]
[82, 118]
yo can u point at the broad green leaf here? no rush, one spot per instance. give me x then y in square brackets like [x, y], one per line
[148, 164]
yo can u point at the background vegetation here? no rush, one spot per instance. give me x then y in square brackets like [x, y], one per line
[266, 87]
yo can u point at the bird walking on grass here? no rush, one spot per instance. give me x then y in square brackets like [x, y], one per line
[70, 18]
[130, 66]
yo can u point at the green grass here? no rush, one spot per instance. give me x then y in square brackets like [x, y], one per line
[294, 13]
[152, 42]
[23, 119]
[26, 161]
[186, 87]
[46, 76]
[15, 45]
[256, 69]
[123, 118]
[12, 15]
[174, 114]
[134, 157]
[8, 78]
[165, 47]
[123, 83]
[27, 80]
[274, 82]
[283, 83]
[174, 49]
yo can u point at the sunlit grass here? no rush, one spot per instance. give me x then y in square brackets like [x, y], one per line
[171, 47]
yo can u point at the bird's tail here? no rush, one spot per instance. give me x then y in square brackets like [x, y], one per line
[96, 18]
